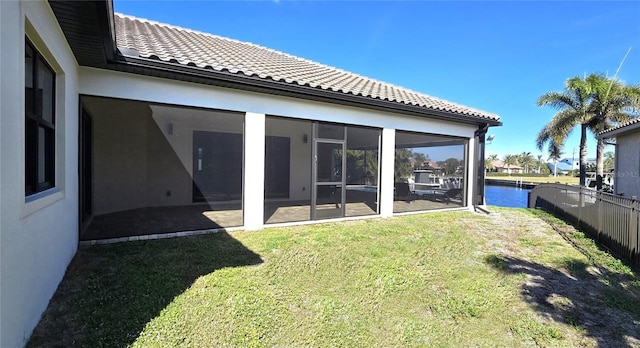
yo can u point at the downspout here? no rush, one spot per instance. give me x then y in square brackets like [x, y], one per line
[478, 194]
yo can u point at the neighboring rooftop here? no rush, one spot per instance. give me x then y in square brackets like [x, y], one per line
[500, 164]
[141, 38]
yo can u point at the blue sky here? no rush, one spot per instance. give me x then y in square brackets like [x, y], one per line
[497, 56]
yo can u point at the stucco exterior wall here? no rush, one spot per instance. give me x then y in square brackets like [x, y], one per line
[39, 235]
[136, 87]
[300, 154]
[627, 179]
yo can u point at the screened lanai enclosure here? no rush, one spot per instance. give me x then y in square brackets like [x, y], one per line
[316, 170]
[429, 172]
[154, 168]
[150, 168]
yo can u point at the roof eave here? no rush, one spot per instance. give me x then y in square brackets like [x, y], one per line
[619, 131]
[89, 29]
[177, 71]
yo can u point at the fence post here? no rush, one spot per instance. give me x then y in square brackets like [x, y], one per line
[600, 214]
[580, 209]
[633, 229]
[555, 199]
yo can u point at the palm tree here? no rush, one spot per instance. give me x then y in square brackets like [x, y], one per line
[573, 105]
[595, 103]
[525, 159]
[612, 103]
[402, 168]
[555, 153]
[418, 159]
[508, 161]
[450, 165]
[609, 160]
[539, 163]
[487, 165]
[488, 162]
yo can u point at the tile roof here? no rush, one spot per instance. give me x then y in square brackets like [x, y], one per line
[620, 126]
[187, 47]
[500, 164]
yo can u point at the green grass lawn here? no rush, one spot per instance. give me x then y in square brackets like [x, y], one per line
[439, 279]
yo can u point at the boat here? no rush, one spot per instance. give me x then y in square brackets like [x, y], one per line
[424, 179]
[607, 181]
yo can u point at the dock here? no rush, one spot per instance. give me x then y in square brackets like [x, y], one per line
[511, 183]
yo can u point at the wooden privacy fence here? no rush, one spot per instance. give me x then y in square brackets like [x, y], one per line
[607, 218]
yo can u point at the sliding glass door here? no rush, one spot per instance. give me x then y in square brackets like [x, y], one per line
[329, 161]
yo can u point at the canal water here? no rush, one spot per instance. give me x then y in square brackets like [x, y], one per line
[506, 196]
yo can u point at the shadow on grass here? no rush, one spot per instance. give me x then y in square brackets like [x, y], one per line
[111, 292]
[597, 302]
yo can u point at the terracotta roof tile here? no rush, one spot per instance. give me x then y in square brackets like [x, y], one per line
[188, 47]
[621, 125]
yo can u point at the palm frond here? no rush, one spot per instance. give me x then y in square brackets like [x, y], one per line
[557, 100]
[621, 117]
[563, 123]
[544, 136]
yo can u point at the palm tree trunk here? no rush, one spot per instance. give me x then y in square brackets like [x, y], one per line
[599, 164]
[583, 154]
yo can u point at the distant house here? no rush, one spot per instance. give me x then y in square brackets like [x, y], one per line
[493, 166]
[116, 128]
[563, 166]
[500, 167]
[428, 166]
[627, 157]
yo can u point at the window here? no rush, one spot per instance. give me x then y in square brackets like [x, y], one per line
[39, 122]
